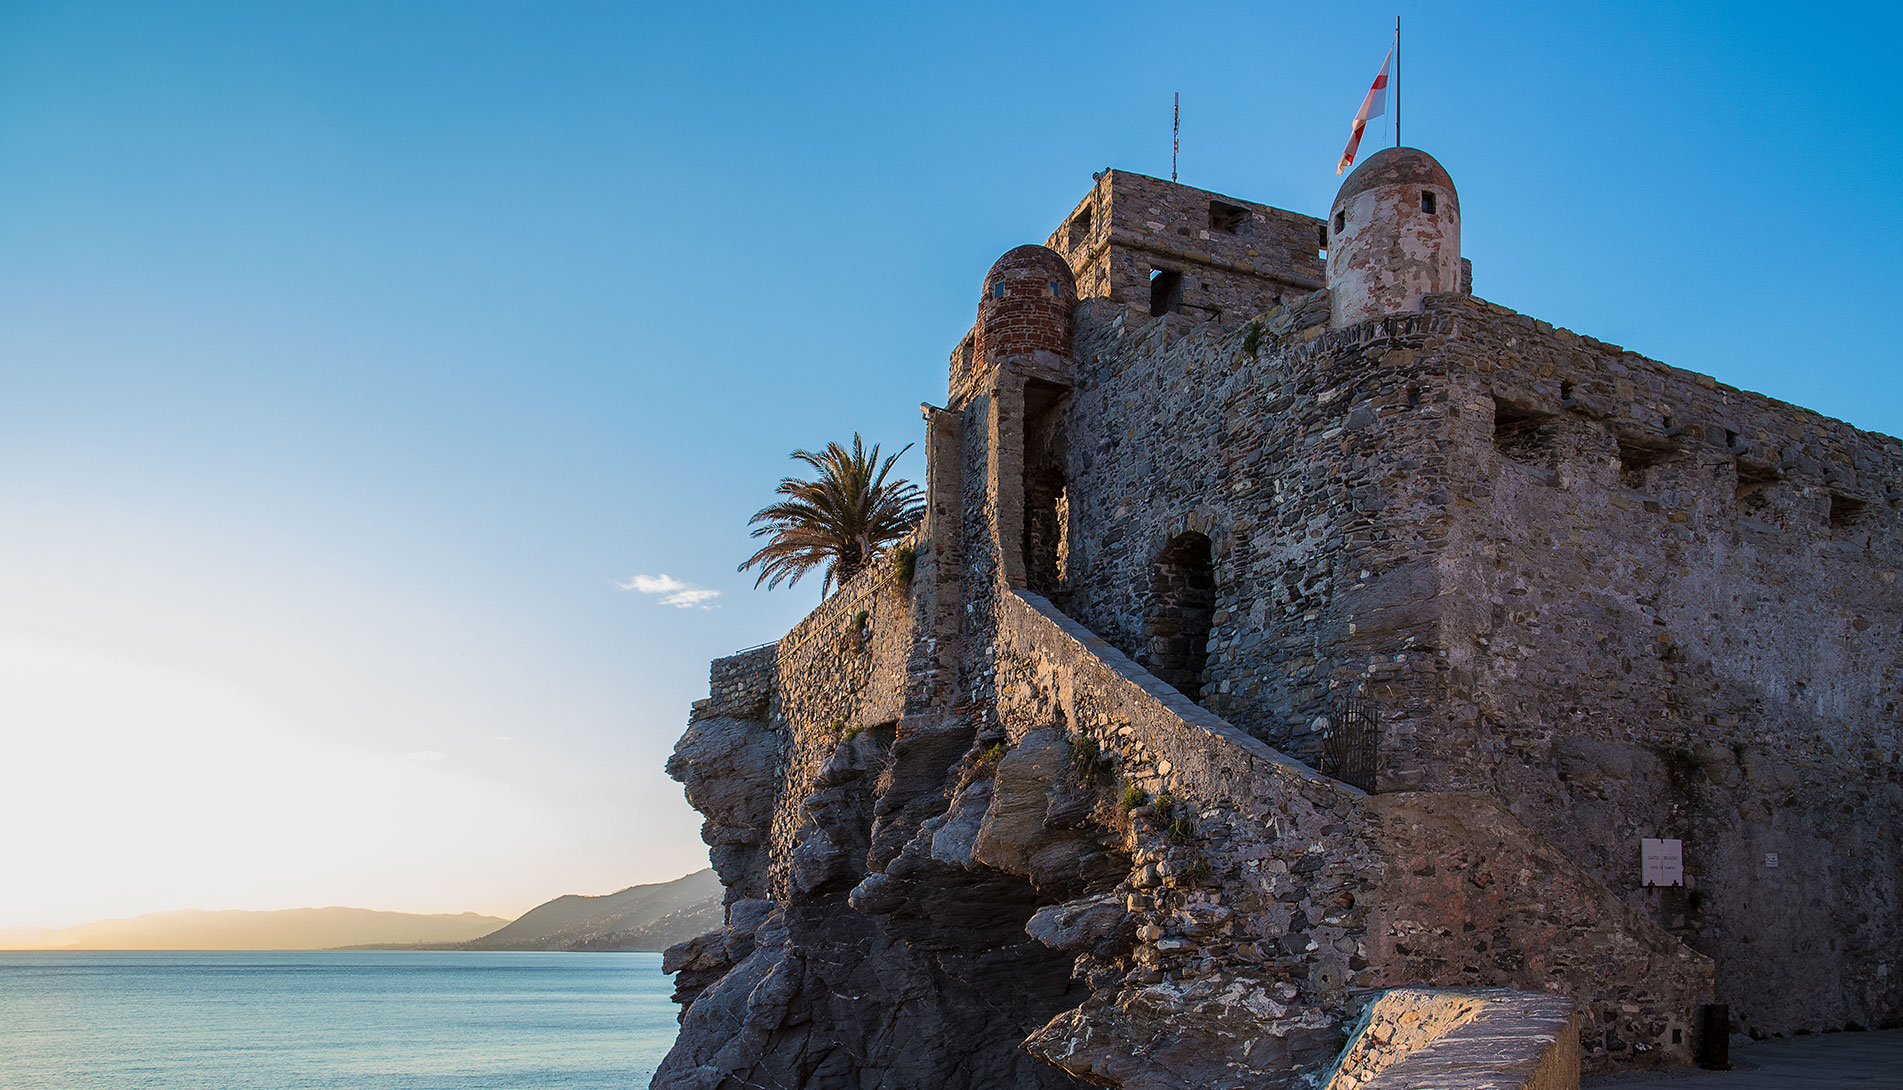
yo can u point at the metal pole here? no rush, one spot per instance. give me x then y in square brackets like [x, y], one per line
[1397, 81]
[1176, 129]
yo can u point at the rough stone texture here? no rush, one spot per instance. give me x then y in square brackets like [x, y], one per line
[1398, 1023]
[1332, 887]
[1552, 595]
[740, 685]
[1237, 258]
[1462, 1039]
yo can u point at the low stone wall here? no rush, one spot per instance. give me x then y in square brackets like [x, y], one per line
[1462, 1039]
[1250, 890]
[740, 684]
[840, 671]
[1284, 895]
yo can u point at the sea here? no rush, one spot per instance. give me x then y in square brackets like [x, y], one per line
[331, 1020]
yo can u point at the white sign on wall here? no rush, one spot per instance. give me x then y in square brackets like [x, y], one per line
[1662, 862]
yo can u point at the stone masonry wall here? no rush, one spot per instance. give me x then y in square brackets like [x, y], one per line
[1269, 897]
[1462, 1039]
[1623, 599]
[740, 684]
[1237, 258]
[1676, 614]
[841, 669]
[1314, 467]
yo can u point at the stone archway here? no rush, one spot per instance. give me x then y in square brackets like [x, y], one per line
[1182, 610]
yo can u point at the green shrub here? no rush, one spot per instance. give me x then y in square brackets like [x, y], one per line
[905, 563]
[987, 758]
[1252, 338]
[852, 732]
[1133, 797]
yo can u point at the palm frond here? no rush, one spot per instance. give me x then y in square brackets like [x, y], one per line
[843, 518]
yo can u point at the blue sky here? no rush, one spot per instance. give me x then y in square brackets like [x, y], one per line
[352, 354]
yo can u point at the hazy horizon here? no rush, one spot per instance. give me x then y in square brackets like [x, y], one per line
[384, 391]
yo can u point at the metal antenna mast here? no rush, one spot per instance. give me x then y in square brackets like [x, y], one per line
[1176, 128]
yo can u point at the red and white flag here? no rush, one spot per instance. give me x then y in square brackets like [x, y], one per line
[1374, 105]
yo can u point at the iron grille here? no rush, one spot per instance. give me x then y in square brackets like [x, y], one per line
[1350, 740]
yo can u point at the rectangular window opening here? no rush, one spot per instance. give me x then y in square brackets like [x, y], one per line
[1525, 435]
[1341, 222]
[1845, 511]
[1079, 228]
[1636, 457]
[1166, 292]
[1427, 201]
[1754, 487]
[1227, 218]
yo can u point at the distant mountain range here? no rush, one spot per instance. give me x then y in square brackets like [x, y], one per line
[637, 918]
[286, 929]
[651, 917]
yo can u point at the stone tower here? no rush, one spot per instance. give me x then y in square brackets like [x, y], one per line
[1394, 236]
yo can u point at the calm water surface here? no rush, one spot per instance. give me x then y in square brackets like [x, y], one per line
[422, 1020]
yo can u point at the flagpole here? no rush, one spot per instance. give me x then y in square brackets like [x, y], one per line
[1397, 81]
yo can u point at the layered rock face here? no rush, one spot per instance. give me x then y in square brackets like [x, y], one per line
[1240, 673]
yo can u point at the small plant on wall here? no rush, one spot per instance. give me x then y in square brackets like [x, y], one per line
[1089, 763]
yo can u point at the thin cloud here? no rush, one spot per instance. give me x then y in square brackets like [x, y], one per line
[429, 755]
[670, 591]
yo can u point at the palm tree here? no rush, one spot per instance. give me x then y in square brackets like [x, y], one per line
[842, 518]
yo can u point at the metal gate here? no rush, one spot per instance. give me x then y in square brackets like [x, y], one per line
[1350, 740]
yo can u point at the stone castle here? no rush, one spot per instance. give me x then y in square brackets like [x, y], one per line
[1296, 660]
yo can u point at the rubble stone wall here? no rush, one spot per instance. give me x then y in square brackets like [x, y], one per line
[1237, 258]
[841, 670]
[1284, 882]
[1315, 466]
[1462, 1039]
[740, 685]
[1623, 599]
[1675, 613]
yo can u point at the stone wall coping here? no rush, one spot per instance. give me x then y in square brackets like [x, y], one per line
[1509, 1044]
[1475, 308]
[846, 600]
[1264, 757]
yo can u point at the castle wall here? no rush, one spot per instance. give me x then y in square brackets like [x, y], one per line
[1289, 894]
[1238, 258]
[1312, 466]
[1624, 599]
[841, 671]
[1544, 597]
[1676, 615]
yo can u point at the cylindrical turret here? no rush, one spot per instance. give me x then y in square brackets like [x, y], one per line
[1028, 299]
[1393, 236]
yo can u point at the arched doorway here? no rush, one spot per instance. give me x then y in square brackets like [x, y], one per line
[1182, 609]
